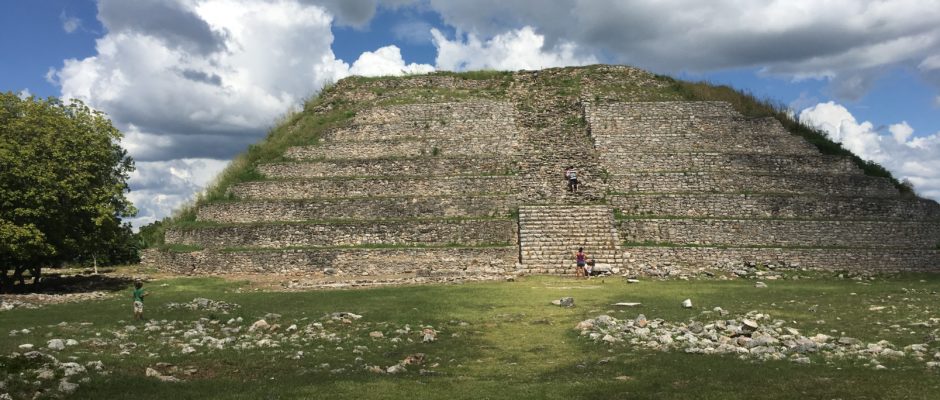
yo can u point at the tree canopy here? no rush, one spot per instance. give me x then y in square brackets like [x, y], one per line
[63, 179]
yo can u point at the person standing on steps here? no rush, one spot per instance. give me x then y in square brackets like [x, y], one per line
[571, 175]
[581, 259]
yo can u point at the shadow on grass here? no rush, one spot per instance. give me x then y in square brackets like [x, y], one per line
[52, 283]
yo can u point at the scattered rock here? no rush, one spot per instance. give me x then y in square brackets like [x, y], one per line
[760, 285]
[687, 303]
[259, 325]
[376, 335]
[564, 302]
[56, 344]
[633, 281]
[428, 335]
[627, 304]
[203, 304]
[67, 387]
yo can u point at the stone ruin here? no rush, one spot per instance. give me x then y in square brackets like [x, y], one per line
[467, 181]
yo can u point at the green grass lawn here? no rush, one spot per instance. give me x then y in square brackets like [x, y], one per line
[494, 341]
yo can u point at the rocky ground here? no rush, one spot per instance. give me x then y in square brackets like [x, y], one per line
[41, 374]
[754, 336]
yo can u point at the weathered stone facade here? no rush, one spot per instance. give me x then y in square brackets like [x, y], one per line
[811, 233]
[469, 232]
[725, 205]
[733, 162]
[872, 260]
[716, 182]
[425, 167]
[355, 208]
[363, 187]
[351, 263]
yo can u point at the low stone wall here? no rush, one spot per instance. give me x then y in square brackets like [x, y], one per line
[783, 232]
[652, 142]
[479, 110]
[362, 208]
[684, 182]
[873, 260]
[763, 206]
[658, 110]
[440, 128]
[427, 166]
[405, 149]
[359, 187]
[727, 162]
[350, 263]
[465, 232]
[703, 127]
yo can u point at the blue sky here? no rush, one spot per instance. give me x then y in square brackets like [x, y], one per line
[193, 82]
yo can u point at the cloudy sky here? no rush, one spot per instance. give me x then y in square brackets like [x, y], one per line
[192, 83]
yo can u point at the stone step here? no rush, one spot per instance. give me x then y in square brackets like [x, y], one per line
[614, 146]
[776, 206]
[552, 234]
[656, 110]
[873, 260]
[468, 232]
[375, 186]
[714, 182]
[339, 262]
[354, 208]
[786, 233]
[492, 130]
[733, 162]
[471, 110]
[404, 148]
[422, 166]
[703, 127]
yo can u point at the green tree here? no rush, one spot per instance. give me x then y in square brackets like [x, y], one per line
[63, 179]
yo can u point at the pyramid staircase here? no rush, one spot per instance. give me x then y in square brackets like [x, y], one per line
[549, 237]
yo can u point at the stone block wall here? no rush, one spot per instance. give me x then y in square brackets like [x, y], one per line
[404, 149]
[728, 162]
[704, 182]
[418, 232]
[762, 144]
[350, 263]
[427, 167]
[785, 233]
[362, 187]
[872, 260]
[724, 205]
[355, 208]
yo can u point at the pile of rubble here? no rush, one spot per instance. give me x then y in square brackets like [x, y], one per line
[40, 374]
[36, 300]
[756, 336]
[202, 304]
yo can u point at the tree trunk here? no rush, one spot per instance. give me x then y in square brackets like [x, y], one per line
[5, 282]
[37, 274]
[94, 260]
[18, 276]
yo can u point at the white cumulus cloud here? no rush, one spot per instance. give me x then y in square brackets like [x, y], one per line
[916, 158]
[513, 50]
[386, 61]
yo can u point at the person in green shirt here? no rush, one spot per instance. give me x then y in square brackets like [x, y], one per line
[139, 295]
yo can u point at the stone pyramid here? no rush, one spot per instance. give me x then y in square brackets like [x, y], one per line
[451, 176]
